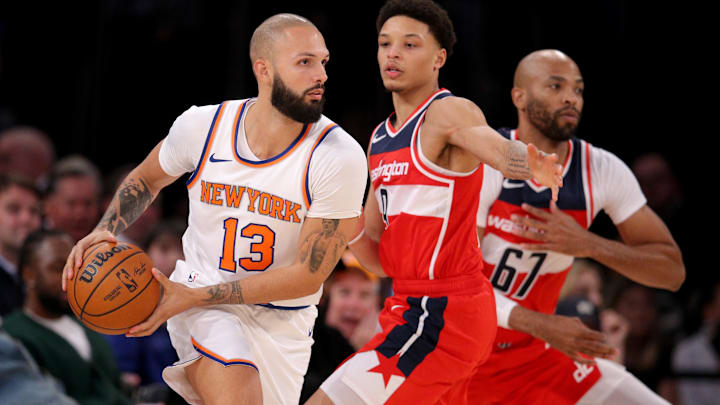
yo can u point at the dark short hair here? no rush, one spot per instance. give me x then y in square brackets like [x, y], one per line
[10, 180]
[32, 244]
[74, 166]
[425, 11]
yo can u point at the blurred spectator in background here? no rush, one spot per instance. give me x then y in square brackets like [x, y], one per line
[138, 231]
[345, 322]
[580, 307]
[665, 195]
[584, 279]
[77, 357]
[659, 184]
[21, 382]
[19, 216]
[697, 357]
[27, 151]
[164, 245]
[141, 360]
[583, 295]
[72, 203]
[647, 347]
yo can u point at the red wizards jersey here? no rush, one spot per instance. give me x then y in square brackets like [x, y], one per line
[593, 180]
[522, 369]
[429, 211]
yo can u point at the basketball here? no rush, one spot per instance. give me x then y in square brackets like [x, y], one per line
[113, 290]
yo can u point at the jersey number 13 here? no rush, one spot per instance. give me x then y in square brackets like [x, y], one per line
[262, 248]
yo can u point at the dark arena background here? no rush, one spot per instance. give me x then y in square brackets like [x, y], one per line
[106, 79]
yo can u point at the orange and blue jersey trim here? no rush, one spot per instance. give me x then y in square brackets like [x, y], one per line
[323, 135]
[275, 159]
[214, 356]
[208, 143]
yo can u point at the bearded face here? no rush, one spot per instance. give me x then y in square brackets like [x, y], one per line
[55, 304]
[548, 122]
[293, 105]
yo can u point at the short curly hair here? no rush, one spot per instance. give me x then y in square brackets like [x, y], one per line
[425, 11]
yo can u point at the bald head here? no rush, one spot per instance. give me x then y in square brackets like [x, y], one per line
[267, 33]
[537, 63]
[548, 94]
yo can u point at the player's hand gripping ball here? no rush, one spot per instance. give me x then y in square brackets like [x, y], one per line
[114, 289]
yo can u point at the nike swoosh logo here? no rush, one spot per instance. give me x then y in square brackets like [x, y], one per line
[378, 138]
[392, 308]
[213, 159]
[507, 183]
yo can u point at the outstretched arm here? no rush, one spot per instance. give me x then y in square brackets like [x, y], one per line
[131, 199]
[321, 244]
[460, 123]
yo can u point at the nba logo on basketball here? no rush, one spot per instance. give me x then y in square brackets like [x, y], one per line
[127, 281]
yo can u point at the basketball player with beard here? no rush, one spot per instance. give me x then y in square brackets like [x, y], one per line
[529, 242]
[275, 189]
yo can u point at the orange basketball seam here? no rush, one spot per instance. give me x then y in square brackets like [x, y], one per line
[126, 302]
[95, 247]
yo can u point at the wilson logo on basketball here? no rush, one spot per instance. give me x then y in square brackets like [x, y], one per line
[114, 289]
[91, 269]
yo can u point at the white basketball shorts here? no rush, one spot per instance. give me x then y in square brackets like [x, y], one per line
[275, 342]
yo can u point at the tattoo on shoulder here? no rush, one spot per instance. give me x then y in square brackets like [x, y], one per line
[131, 200]
[324, 246]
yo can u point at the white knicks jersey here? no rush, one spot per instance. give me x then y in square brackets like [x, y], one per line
[246, 213]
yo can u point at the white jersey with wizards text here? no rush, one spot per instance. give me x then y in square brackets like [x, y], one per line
[246, 213]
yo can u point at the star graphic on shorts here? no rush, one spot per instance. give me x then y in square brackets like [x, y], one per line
[387, 367]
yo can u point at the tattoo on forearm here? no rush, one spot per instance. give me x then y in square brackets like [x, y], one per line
[130, 201]
[237, 297]
[516, 161]
[324, 246]
[227, 293]
[217, 294]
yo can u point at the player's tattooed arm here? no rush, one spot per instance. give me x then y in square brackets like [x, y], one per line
[227, 293]
[516, 161]
[130, 201]
[322, 248]
[522, 162]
